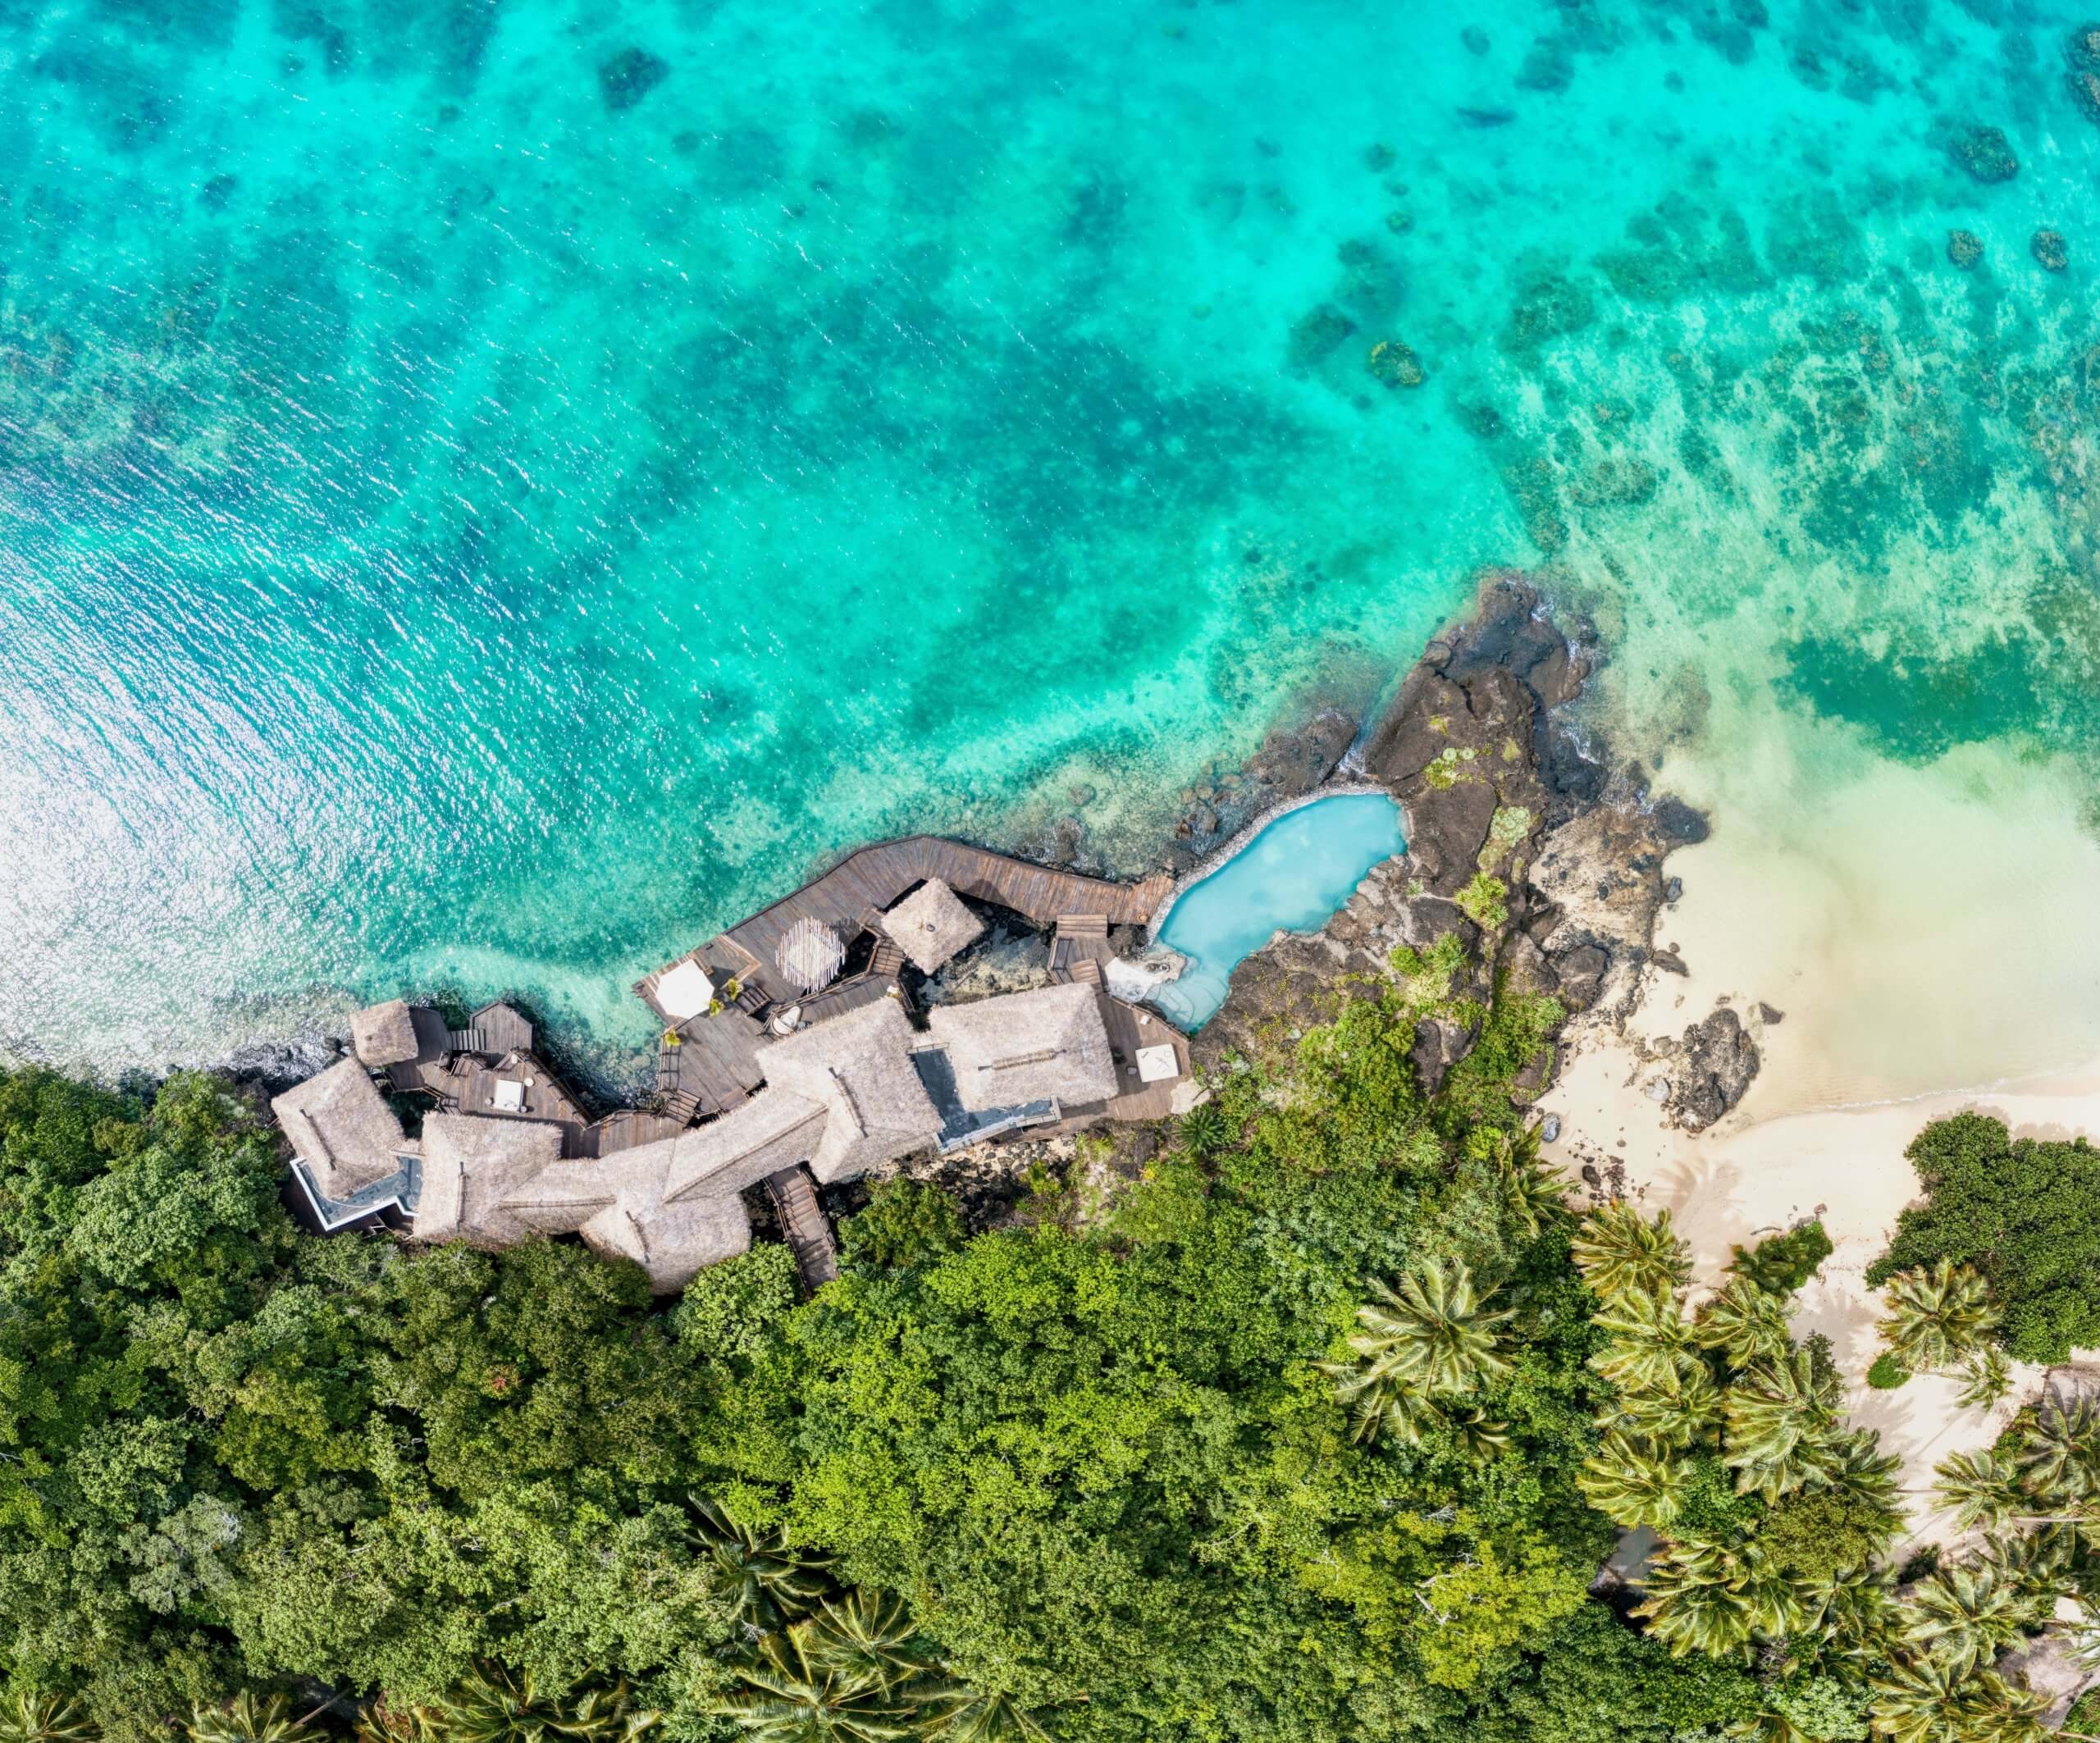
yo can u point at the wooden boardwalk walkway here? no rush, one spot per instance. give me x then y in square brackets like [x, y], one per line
[873, 878]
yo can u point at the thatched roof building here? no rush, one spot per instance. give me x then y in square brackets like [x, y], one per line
[340, 1127]
[1049, 1044]
[931, 925]
[471, 1167]
[673, 1242]
[858, 1069]
[618, 1206]
[809, 954]
[383, 1035]
[775, 1129]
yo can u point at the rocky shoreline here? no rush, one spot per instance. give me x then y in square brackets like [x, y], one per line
[1523, 840]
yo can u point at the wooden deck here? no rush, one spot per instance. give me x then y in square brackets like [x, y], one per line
[1129, 1029]
[714, 1062]
[875, 878]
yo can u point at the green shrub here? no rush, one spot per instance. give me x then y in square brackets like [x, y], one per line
[1888, 1373]
[2025, 1213]
[1485, 900]
[1782, 1263]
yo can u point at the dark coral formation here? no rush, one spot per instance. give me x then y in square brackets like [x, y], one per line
[1964, 247]
[1393, 364]
[626, 78]
[1986, 153]
[2049, 247]
[1313, 336]
[2082, 53]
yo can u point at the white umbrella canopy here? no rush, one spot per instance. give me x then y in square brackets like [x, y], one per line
[810, 955]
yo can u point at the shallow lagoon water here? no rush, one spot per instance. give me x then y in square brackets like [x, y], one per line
[1291, 877]
[476, 517]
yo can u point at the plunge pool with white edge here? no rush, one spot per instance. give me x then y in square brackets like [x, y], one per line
[1294, 875]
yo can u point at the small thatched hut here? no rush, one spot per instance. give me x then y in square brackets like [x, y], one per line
[383, 1035]
[931, 925]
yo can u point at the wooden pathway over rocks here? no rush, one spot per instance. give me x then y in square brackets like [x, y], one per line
[853, 893]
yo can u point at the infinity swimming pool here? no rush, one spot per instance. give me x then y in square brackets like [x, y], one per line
[1291, 877]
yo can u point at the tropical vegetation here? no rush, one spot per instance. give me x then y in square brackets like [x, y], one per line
[1313, 1418]
[2021, 1215]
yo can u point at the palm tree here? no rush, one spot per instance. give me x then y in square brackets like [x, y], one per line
[1480, 1436]
[1632, 1484]
[969, 1715]
[1967, 1613]
[1985, 1378]
[1381, 1407]
[1979, 1488]
[1990, 1710]
[1775, 1411]
[1745, 1323]
[1433, 1337]
[1672, 1418]
[1621, 1253]
[1938, 1316]
[873, 1632]
[1774, 1600]
[794, 1691]
[1858, 1470]
[245, 1719]
[1692, 1606]
[1651, 1347]
[1914, 1701]
[1854, 1616]
[1533, 1193]
[2060, 1457]
[45, 1718]
[496, 1704]
[1202, 1130]
[766, 1582]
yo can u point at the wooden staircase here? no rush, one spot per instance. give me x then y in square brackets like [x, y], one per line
[794, 1198]
[886, 961]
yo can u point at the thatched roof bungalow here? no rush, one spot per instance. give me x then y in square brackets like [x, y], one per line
[673, 1241]
[340, 1128]
[471, 1167]
[858, 1069]
[931, 926]
[1047, 1045]
[382, 1035]
[775, 1129]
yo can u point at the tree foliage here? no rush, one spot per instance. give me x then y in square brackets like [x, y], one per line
[2024, 1213]
[1094, 1476]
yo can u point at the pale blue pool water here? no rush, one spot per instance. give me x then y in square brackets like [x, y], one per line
[1290, 877]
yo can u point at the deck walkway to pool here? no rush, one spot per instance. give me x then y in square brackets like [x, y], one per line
[707, 1065]
[854, 891]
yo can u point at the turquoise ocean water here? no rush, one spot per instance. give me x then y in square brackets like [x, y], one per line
[490, 491]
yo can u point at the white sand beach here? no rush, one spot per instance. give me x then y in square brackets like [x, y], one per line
[1793, 1149]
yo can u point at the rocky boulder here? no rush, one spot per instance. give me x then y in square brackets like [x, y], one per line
[1714, 1070]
